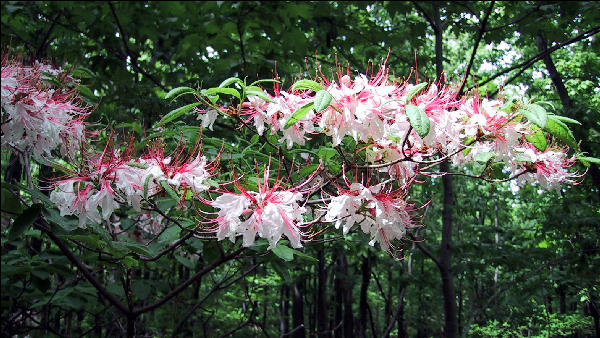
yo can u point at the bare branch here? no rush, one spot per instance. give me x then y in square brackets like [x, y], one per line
[477, 40]
[191, 280]
[45, 227]
[529, 62]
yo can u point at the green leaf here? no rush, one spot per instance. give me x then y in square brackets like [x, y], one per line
[138, 165]
[231, 80]
[146, 182]
[259, 245]
[67, 224]
[283, 252]
[326, 153]
[281, 269]
[85, 91]
[587, 160]
[307, 84]
[564, 119]
[257, 91]
[264, 81]
[309, 169]
[299, 114]
[83, 73]
[322, 100]
[226, 91]
[24, 221]
[141, 289]
[169, 190]
[560, 130]
[484, 157]
[169, 235]
[538, 139]
[536, 114]
[90, 240]
[33, 192]
[395, 138]
[418, 119]
[176, 92]
[305, 256]
[139, 249]
[414, 90]
[173, 114]
[185, 261]
[10, 202]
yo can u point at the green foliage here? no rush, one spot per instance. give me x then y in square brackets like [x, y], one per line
[528, 245]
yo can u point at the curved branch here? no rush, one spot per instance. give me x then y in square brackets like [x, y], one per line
[185, 284]
[527, 63]
[425, 251]
[84, 270]
[477, 40]
[128, 52]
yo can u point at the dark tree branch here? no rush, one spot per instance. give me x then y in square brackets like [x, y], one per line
[477, 41]
[191, 280]
[525, 16]
[42, 46]
[128, 52]
[217, 287]
[529, 62]
[387, 331]
[427, 17]
[425, 250]
[45, 227]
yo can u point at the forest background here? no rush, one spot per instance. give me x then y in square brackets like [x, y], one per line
[512, 262]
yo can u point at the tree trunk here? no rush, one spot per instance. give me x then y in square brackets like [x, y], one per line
[339, 300]
[448, 292]
[283, 310]
[362, 310]
[322, 317]
[298, 309]
[348, 285]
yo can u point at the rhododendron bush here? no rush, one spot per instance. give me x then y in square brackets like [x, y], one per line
[323, 156]
[346, 151]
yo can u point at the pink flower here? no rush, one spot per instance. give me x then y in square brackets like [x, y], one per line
[549, 167]
[383, 214]
[270, 212]
[38, 116]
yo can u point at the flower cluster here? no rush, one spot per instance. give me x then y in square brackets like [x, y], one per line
[375, 111]
[382, 213]
[111, 178]
[269, 212]
[39, 115]
[402, 128]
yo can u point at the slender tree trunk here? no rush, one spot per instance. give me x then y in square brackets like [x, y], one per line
[322, 317]
[362, 310]
[339, 300]
[400, 320]
[448, 292]
[595, 313]
[298, 309]
[283, 310]
[348, 285]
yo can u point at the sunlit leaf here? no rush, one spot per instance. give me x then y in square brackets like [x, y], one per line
[414, 90]
[536, 114]
[174, 114]
[299, 114]
[307, 84]
[176, 92]
[322, 100]
[418, 119]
